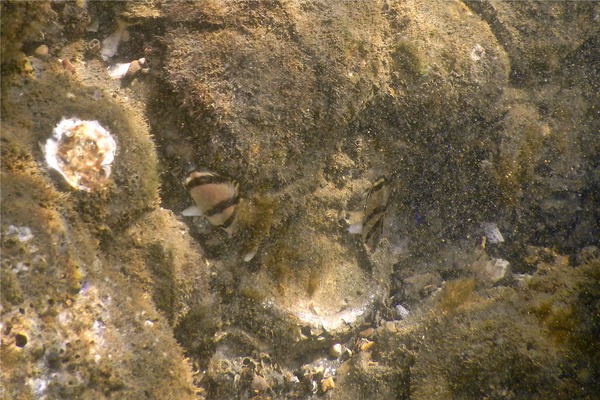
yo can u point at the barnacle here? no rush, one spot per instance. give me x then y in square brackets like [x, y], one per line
[82, 152]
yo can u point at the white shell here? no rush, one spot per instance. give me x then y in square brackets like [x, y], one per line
[192, 211]
[250, 255]
[110, 45]
[498, 270]
[118, 71]
[336, 350]
[491, 231]
[401, 311]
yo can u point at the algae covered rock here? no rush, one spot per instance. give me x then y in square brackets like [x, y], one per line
[537, 50]
[416, 189]
[310, 118]
[77, 320]
[272, 91]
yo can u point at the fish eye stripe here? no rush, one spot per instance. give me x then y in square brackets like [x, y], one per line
[222, 206]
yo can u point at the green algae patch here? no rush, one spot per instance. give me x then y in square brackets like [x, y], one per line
[455, 293]
[74, 324]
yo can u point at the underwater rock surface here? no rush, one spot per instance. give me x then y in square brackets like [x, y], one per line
[480, 118]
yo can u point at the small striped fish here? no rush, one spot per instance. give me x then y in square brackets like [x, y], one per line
[375, 206]
[216, 199]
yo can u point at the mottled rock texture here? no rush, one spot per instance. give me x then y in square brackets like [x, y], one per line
[476, 111]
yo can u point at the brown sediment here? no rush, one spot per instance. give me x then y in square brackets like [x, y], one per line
[476, 112]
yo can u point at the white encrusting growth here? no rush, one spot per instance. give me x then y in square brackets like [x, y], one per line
[82, 152]
[120, 70]
[110, 45]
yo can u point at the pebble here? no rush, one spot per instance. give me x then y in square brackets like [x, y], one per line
[23, 233]
[401, 311]
[336, 350]
[327, 384]
[492, 233]
[259, 384]
[366, 333]
[365, 345]
[42, 51]
[390, 326]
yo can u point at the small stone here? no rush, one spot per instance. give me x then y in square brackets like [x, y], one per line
[259, 384]
[390, 326]
[492, 232]
[366, 333]
[365, 345]
[22, 233]
[68, 65]
[135, 66]
[327, 384]
[42, 51]
[401, 312]
[490, 270]
[336, 350]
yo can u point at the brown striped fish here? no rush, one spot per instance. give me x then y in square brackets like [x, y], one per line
[216, 199]
[375, 206]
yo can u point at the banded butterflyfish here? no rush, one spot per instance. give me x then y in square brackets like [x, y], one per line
[216, 199]
[374, 212]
